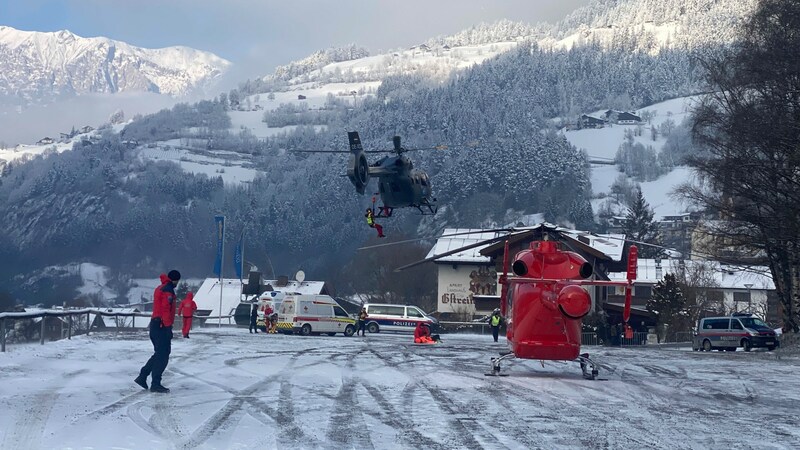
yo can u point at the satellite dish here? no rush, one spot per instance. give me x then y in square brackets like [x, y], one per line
[300, 276]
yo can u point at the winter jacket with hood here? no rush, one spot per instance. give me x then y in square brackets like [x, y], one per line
[188, 306]
[164, 302]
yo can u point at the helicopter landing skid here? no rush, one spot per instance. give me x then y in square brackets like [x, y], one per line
[384, 211]
[495, 371]
[429, 210]
[588, 367]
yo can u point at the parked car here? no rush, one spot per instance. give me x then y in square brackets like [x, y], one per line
[386, 317]
[731, 332]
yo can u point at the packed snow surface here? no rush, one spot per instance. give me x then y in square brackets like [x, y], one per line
[231, 389]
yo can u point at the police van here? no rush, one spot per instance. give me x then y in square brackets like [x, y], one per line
[385, 317]
[729, 333]
[307, 314]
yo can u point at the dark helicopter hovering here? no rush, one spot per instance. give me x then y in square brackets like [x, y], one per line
[400, 185]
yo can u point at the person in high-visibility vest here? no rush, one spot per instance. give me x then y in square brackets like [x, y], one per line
[495, 320]
[371, 222]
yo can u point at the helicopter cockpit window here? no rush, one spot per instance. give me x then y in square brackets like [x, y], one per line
[424, 182]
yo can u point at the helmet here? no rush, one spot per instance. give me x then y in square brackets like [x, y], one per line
[496, 311]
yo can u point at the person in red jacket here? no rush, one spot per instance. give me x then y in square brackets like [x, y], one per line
[160, 332]
[422, 334]
[188, 307]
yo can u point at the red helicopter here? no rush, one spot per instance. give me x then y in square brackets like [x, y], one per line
[544, 303]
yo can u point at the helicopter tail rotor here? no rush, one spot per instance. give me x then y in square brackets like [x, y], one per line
[358, 168]
[396, 142]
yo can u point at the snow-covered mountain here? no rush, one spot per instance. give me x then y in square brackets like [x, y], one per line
[37, 66]
[648, 25]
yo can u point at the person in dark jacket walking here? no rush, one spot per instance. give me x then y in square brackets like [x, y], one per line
[362, 322]
[161, 321]
[254, 318]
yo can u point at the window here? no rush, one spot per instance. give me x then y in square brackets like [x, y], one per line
[752, 322]
[741, 297]
[413, 312]
[736, 325]
[339, 311]
[395, 310]
[719, 324]
[642, 291]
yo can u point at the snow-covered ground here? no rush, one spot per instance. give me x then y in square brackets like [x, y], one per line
[231, 389]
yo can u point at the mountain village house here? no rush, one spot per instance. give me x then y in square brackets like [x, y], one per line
[622, 117]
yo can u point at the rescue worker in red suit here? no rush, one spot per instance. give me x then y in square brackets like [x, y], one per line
[422, 334]
[160, 332]
[188, 307]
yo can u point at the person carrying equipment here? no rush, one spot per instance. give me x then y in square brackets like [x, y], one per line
[372, 224]
[188, 307]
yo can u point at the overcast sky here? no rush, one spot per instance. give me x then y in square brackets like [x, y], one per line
[258, 35]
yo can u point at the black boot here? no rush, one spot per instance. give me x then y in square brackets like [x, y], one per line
[158, 388]
[141, 381]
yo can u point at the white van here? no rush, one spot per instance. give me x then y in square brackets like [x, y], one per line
[385, 317]
[306, 314]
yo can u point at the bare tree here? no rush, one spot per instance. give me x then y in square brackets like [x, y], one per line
[749, 126]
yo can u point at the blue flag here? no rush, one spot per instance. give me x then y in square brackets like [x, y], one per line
[220, 227]
[237, 256]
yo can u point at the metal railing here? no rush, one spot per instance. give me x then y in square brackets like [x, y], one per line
[22, 326]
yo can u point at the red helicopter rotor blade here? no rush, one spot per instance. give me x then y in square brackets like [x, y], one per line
[503, 281]
[633, 261]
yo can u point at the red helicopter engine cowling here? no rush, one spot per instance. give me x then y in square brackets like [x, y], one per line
[544, 319]
[574, 302]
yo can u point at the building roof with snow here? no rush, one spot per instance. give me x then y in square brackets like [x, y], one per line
[611, 246]
[455, 238]
[724, 276]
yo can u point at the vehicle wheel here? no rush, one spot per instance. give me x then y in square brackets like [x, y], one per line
[771, 348]
[331, 334]
[305, 330]
[349, 330]
[707, 345]
[746, 346]
[372, 327]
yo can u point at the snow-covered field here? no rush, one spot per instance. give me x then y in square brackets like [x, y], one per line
[604, 143]
[231, 389]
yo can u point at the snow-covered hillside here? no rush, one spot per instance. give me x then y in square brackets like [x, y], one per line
[647, 25]
[36, 66]
[603, 143]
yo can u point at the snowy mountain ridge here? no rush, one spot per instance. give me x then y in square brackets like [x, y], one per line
[634, 25]
[39, 65]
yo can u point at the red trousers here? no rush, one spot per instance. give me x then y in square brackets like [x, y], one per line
[187, 325]
[379, 228]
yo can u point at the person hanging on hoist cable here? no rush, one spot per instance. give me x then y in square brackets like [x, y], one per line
[370, 215]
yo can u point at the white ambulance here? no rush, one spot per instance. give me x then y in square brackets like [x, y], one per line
[307, 314]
